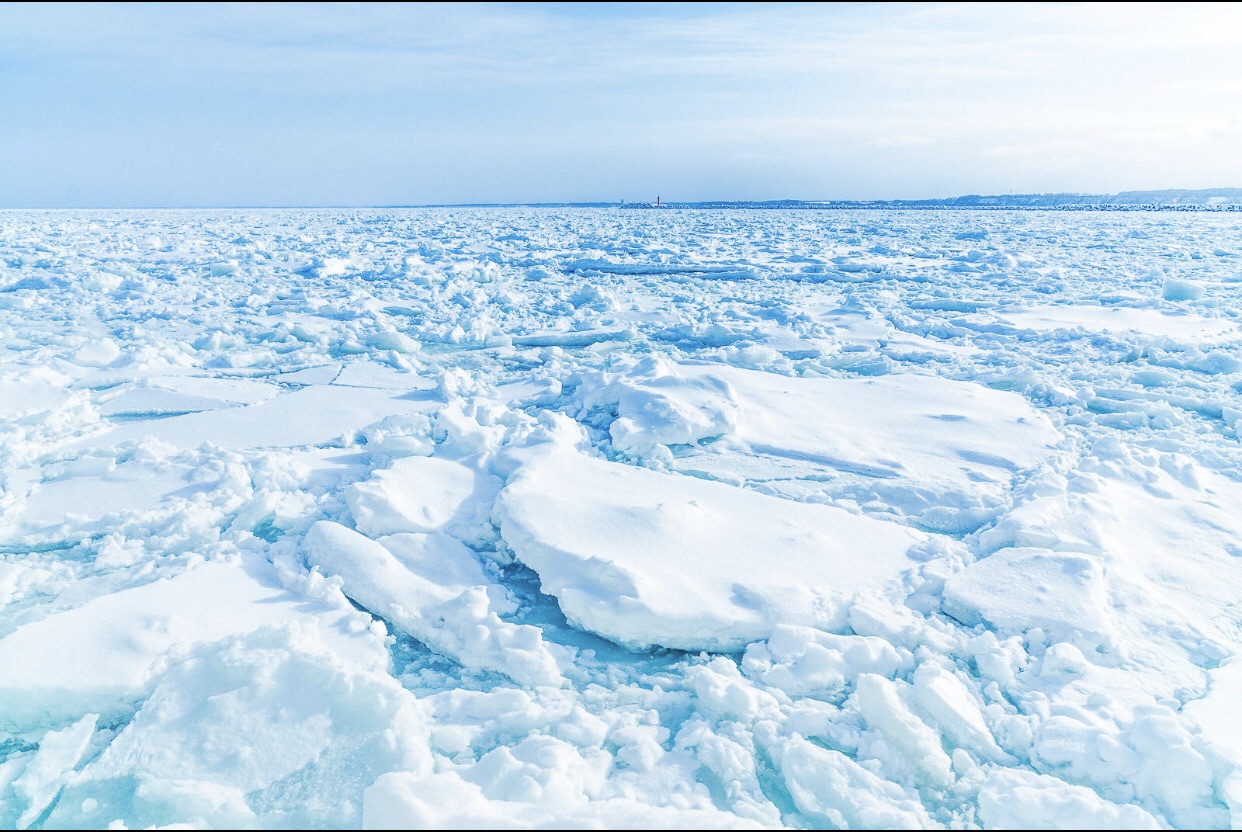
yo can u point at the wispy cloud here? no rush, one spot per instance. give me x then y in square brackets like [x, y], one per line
[827, 92]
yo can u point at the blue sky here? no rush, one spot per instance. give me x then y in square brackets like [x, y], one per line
[356, 104]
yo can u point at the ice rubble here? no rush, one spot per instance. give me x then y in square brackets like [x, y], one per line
[525, 518]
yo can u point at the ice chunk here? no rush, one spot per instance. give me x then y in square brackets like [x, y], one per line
[1165, 533]
[310, 416]
[36, 393]
[1172, 769]
[447, 801]
[59, 752]
[803, 660]
[134, 403]
[830, 788]
[106, 651]
[910, 743]
[1063, 593]
[223, 389]
[1175, 289]
[723, 691]
[380, 376]
[235, 719]
[1215, 716]
[416, 494]
[78, 498]
[942, 696]
[99, 353]
[571, 338]
[657, 406]
[393, 340]
[939, 450]
[439, 559]
[1012, 799]
[647, 558]
[539, 769]
[456, 619]
[729, 754]
[1120, 319]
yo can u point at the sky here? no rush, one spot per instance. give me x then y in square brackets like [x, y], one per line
[120, 105]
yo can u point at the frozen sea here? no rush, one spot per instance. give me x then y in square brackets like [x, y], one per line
[593, 517]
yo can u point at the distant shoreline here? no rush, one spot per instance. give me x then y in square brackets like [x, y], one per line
[1212, 199]
[899, 205]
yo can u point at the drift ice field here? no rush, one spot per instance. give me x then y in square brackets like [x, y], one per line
[609, 518]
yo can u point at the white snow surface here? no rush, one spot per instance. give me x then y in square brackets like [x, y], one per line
[647, 558]
[636, 519]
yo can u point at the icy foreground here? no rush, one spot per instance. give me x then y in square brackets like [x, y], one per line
[601, 518]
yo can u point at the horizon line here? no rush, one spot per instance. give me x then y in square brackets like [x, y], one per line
[621, 202]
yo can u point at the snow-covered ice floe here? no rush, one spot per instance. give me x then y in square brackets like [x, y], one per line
[528, 518]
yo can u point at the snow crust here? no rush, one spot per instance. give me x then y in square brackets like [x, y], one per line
[636, 519]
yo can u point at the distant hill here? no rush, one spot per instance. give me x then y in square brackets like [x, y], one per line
[1210, 199]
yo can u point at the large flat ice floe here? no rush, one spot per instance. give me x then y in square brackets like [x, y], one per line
[940, 451]
[1122, 320]
[633, 519]
[647, 558]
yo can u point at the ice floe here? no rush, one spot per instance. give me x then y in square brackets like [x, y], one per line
[647, 558]
[579, 517]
